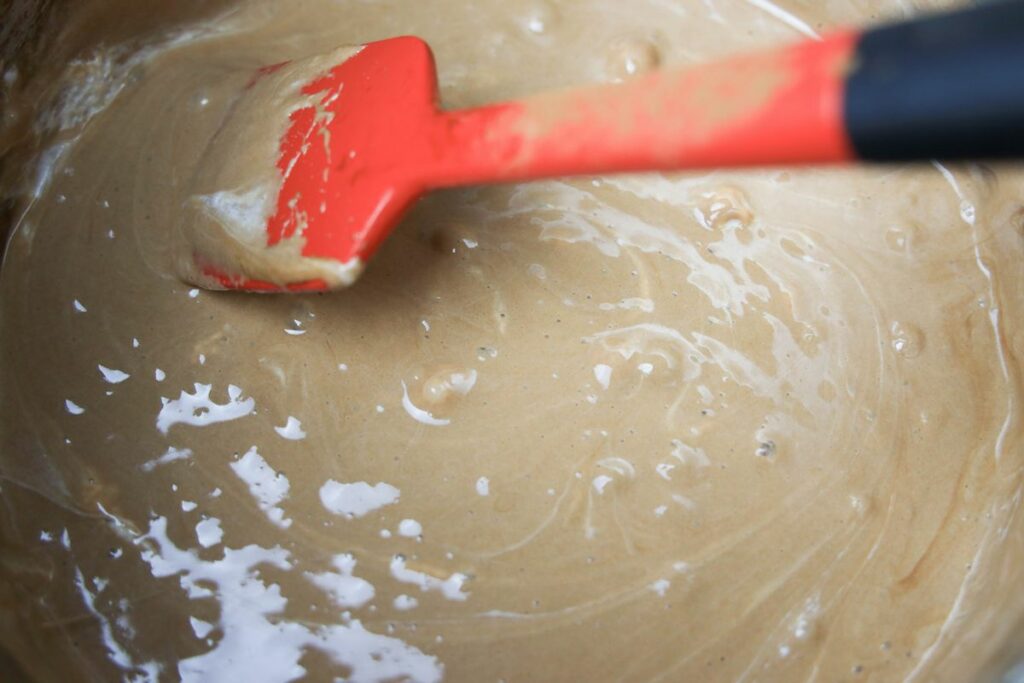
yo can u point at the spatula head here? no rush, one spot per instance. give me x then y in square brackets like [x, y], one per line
[347, 167]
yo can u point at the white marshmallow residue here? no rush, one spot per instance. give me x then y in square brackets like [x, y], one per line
[462, 382]
[419, 414]
[148, 672]
[618, 465]
[358, 499]
[79, 306]
[410, 528]
[688, 455]
[112, 376]
[600, 482]
[208, 532]
[266, 485]
[630, 304]
[252, 621]
[345, 590]
[405, 602]
[199, 627]
[660, 587]
[450, 588]
[188, 505]
[483, 486]
[198, 409]
[73, 407]
[292, 430]
[170, 455]
[603, 374]
[159, 375]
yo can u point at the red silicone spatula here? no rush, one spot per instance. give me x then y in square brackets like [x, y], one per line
[950, 86]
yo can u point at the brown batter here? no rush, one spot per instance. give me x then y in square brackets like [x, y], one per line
[727, 426]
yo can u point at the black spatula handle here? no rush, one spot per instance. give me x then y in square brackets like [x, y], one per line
[946, 87]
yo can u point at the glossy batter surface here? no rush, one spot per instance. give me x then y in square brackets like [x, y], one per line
[728, 426]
